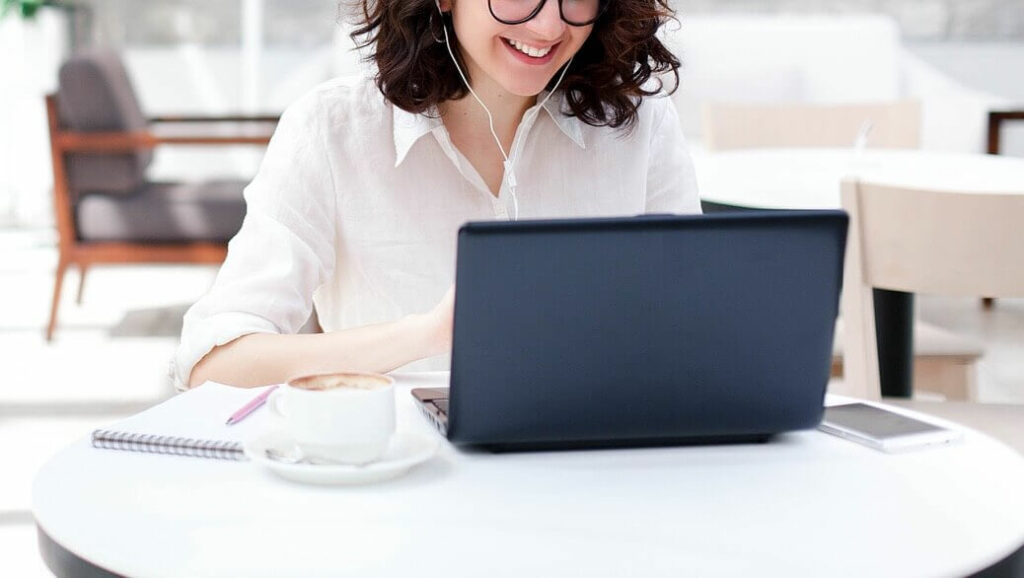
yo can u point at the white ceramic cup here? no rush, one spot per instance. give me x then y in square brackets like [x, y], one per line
[347, 417]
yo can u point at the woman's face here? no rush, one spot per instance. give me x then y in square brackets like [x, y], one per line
[501, 53]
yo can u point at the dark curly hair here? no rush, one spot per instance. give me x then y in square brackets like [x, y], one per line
[604, 86]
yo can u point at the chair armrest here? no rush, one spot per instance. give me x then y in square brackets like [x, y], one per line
[107, 142]
[102, 142]
[996, 118]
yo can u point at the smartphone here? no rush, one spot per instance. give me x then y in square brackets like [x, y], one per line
[883, 429]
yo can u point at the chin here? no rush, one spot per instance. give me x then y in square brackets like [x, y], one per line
[518, 87]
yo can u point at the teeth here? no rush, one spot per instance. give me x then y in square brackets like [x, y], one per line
[529, 50]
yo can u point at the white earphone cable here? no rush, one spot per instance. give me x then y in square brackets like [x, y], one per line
[509, 162]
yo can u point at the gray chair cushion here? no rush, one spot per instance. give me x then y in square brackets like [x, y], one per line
[96, 95]
[164, 213]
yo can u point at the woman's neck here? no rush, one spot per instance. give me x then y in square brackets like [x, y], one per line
[467, 117]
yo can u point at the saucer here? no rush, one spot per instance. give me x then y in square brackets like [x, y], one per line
[406, 450]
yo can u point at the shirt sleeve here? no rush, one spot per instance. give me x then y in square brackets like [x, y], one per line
[284, 250]
[671, 179]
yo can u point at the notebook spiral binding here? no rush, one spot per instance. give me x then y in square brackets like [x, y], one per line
[159, 444]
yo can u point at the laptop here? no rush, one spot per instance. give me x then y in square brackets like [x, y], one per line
[641, 331]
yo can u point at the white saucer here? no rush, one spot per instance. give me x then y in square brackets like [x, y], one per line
[406, 450]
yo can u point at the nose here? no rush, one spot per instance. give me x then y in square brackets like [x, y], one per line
[548, 24]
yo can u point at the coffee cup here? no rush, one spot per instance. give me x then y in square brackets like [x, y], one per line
[347, 417]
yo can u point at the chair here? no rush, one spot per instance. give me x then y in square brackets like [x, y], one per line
[107, 212]
[955, 244]
[996, 119]
[732, 126]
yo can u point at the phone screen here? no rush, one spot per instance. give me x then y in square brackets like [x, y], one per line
[875, 422]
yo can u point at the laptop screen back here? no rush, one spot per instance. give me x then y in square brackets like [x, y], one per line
[644, 328]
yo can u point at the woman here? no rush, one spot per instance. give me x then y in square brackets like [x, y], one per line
[480, 109]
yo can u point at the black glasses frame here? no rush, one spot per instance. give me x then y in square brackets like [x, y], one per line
[601, 7]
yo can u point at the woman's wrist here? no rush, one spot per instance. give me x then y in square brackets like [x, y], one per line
[428, 335]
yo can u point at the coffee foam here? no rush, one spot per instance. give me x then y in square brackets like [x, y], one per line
[360, 381]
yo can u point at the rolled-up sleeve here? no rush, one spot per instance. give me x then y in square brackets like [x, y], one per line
[284, 250]
[671, 179]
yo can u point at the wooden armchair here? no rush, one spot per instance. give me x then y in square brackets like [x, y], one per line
[107, 212]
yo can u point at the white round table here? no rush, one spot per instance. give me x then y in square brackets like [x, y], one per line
[809, 178]
[804, 504]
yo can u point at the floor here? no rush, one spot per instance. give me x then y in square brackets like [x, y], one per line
[110, 357]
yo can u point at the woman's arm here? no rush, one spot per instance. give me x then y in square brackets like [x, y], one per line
[243, 331]
[265, 358]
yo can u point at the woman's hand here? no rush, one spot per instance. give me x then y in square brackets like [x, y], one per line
[441, 317]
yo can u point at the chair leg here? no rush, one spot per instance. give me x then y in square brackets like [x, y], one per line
[81, 282]
[62, 268]
[987, 302]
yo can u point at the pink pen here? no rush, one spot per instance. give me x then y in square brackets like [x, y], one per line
[251, 406]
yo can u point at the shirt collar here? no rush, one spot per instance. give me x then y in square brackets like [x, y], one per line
[571, 126]
[409, 127]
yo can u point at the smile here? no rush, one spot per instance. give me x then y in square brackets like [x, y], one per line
[531, 51]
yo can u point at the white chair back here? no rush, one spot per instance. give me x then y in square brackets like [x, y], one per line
[922, 241]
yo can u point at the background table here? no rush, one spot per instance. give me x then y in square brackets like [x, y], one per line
[810, 179]
[805, 504]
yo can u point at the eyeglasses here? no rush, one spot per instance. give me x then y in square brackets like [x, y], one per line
[573, 12]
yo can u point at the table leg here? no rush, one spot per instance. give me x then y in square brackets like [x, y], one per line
[894, 328]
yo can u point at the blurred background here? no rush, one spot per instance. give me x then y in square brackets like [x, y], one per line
[961, 59]
[256, 56]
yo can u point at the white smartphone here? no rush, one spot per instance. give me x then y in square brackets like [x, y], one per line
[883, 429]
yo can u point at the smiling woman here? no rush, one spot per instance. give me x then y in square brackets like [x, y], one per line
[356, 208]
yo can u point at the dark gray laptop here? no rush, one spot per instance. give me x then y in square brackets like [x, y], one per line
[651, 330]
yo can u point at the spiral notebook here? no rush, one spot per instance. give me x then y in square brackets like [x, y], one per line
[188, 424]
[165, 444]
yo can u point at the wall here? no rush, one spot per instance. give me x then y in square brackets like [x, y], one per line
[920, 20]
[996, 67]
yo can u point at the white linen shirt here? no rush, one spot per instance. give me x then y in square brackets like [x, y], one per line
[357, 205]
